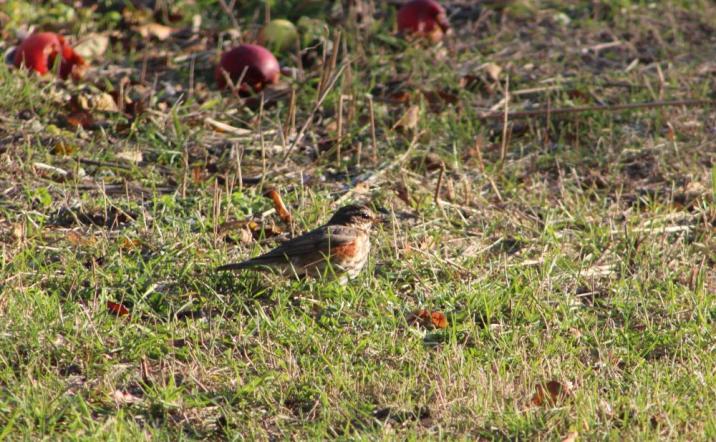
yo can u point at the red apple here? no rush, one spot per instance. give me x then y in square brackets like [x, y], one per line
[38, 52]
[261, 67]
[423, 18]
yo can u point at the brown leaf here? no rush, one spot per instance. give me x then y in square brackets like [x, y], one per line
[117, 309]
[428, 319]
[18, 231]
[92, 45]
[130, 244]
[123, 397]
[403, 193]
[101, 101]
[571, 437]
[399, 96]
[254, 229]
[409, 120]
[493, 70]
[132, 156]
[439, 320]
[281, 209]
[670, 132]
[549, 393]
[160, 32]
[79, 240]
[62, 148]
[197, 174]
[81, 119]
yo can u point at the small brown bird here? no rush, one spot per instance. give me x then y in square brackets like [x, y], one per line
[338, 248]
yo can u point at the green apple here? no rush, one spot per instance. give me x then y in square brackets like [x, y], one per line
[279, 34]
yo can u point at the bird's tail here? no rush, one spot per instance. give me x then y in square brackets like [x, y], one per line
[236, 266]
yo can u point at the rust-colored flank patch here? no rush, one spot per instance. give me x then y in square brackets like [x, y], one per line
[347, 250]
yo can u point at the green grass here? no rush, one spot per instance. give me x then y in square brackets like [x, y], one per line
[586, 258]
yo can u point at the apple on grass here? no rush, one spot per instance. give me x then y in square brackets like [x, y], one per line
[423, 19]
[279, 34]
[40, 51]
[254, 65]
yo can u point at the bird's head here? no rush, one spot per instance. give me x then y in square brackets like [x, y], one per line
[357, 215]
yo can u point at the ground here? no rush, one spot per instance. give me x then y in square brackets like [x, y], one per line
[549, 279]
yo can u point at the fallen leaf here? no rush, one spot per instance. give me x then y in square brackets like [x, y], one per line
[81, 119]
[79, 240]
[197, 174]
[92, 45]
[130, 244]
[439, 320]
[220, 127]
[670, 132]
[62, 148]
[101, 101]
[132, 156]
[117, 309]
[571, 437]
[403, 193]
[549, 393]
[493, 70]
[123, 397]
[428, 319]
[409, 120]
[160, 32]
[281, 209]
[256, 230]
[18, 231]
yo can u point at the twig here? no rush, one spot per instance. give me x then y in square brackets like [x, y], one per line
[505, 119]
[582, 109]
[374, 141]
[438, 186]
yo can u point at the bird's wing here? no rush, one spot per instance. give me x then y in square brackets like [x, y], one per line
[314, 243]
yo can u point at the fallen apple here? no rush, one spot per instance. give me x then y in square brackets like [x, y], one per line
[423, 19]
[254, 65]
[39, 53]
[279, 35]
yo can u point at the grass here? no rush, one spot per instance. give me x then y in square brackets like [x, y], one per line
[579, 262]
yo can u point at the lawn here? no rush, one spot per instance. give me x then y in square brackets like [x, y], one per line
[546, 269]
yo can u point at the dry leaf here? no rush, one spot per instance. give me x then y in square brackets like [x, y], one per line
[281, 209]
[117, 309]
[79, 240]
[493, 70]
[18, 231]
[549, 393]
[132, 156]
[123, 397]
[130, 244]
[62, 148]
[670, 132]
[409, 120]
[403, 193]
[571, 437]
[156, 30]
[428, 319]
[102, 101]
[218, 126]
[254, 229]
[92, 45]
[81, 119]
[197, 174]
[439, 320]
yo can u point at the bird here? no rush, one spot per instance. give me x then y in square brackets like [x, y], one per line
[339, 248]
